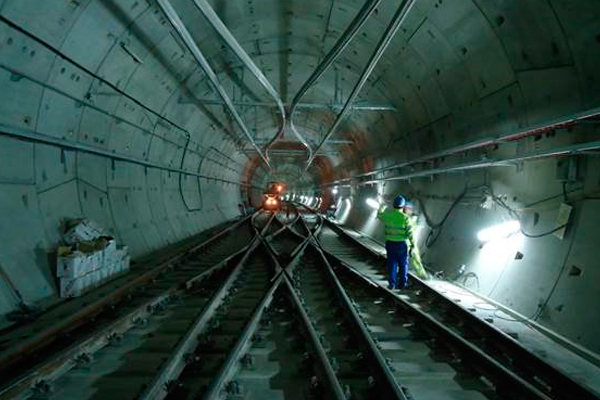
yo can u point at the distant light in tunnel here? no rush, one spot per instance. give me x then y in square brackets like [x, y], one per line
[373, 203]
[346, 211]
[335, 190]
[338, 204]
[500, 231]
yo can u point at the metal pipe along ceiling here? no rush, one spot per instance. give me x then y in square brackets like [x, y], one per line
[399, 18]
[506, 162]
[184, 34]
[557, 123]
[233, 44]
[330, 58]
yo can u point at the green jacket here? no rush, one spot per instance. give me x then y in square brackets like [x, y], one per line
[399, 226]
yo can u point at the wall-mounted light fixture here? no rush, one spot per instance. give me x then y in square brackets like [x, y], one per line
[499, 231]
[373, 203]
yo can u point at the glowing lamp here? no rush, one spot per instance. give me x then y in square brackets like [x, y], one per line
[373, 203]
[499, 231]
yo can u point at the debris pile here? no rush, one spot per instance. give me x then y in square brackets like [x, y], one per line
[89, 259]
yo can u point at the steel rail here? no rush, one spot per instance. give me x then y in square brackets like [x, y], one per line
[297, 219]
[506, 378]
[59, 365]
[374, 350]
[233, 44]
[364, 332]
[227, 368]
[315, 231]
[262, 231]
[40, 137]
[305, 227]
[344, 339]
[228, 293]
[335, 385]
[18, 351]
[186, 37]
[216, 386]
[399, 17]
[564, 383]
[350, 32]
[174, 365]
[292, 222]
[303, 243]
[337, 390]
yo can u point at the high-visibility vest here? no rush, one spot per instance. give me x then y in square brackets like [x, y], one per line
[399, 226]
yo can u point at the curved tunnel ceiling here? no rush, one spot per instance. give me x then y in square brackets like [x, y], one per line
[448, 70]
[455, 71]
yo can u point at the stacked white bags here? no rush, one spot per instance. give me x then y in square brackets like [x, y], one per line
[89, 260]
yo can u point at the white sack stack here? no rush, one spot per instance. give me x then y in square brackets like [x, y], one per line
[89, 260]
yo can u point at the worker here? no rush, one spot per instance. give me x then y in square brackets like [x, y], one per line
[399, 236]
[331, 210]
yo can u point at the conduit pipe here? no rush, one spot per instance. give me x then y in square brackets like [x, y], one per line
[330, 58]
[185, 36]
[507, 162]
[544, 127]
[385, 41]
[233, 44]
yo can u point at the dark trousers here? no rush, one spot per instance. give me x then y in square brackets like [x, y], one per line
[397, 261]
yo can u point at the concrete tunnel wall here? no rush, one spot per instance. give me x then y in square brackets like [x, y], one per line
[456, 71]
[41, 185]
[544, 284]
[556, 281]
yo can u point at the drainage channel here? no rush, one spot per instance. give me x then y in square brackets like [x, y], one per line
[502, 360]
[59, 341]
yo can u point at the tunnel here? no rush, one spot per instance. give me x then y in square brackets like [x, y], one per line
[163, 122]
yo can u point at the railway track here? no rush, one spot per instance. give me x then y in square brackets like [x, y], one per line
[248, 292]
[60, 338]
[282, 363]
[355, 364]
[506, 367]
[277, 307]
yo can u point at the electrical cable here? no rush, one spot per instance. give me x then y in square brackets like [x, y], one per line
[555, 285]
[514, 214]
[539, 235]
[436, 228]
[468, 275]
